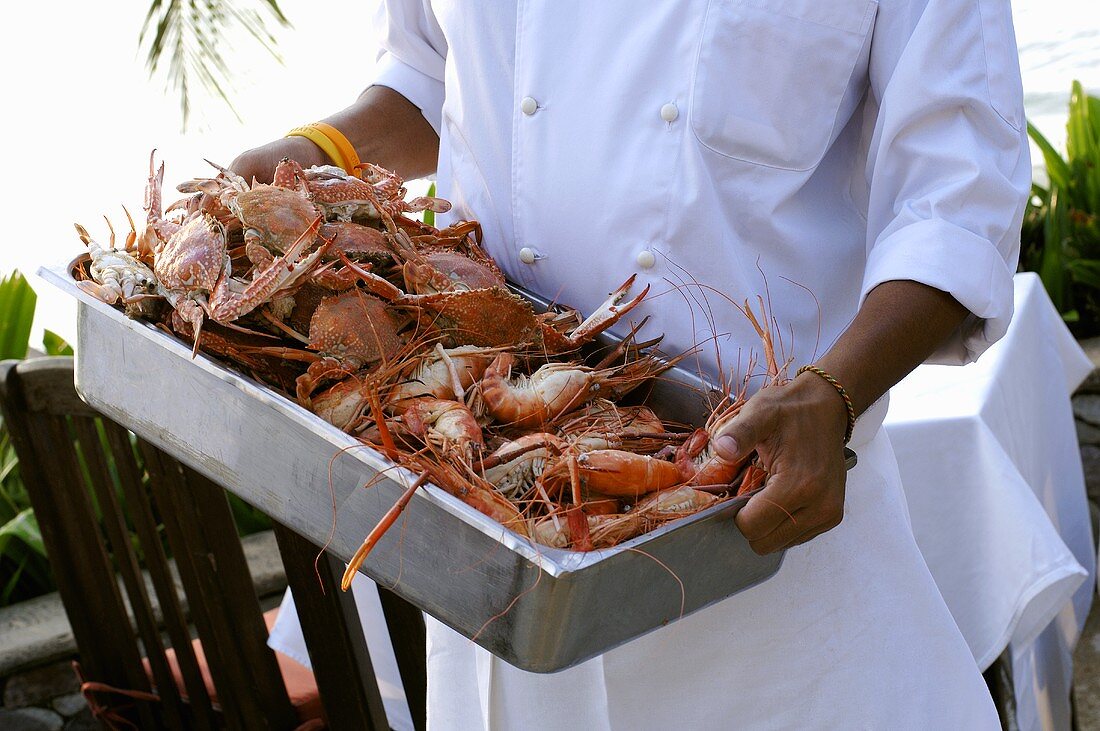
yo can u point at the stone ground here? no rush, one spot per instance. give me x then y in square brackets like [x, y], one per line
[44, 699]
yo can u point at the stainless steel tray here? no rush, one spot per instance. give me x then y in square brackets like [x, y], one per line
[540, 609]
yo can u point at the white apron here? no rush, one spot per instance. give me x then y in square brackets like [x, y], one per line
[850, 633]
[800, 150]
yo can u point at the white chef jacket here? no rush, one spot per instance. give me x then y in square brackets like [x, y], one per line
[800, 150]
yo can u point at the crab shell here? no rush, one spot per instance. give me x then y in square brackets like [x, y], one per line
[357, 242]
[355, 328]
[492, 317]
[274, 216]
[441, 271]
[194, 256]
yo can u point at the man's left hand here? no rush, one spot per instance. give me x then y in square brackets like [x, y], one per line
[798, 431]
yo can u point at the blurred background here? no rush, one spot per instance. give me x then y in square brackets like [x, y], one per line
[83, 113]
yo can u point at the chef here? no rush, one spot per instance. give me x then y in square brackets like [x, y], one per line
[860, 165]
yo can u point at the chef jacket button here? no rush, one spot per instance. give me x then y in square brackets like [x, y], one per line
[646, 259]
[527, 255]
[669, 112]
[528, 106]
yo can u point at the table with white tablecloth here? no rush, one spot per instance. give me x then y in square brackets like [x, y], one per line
[992, 473]
[989, 461]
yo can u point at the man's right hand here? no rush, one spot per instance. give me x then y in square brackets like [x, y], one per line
[260, 162]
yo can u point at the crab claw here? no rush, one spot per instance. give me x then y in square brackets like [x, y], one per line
[153, 206]
[426, 203]
[381, 287]
[608, 313]
[190, 311]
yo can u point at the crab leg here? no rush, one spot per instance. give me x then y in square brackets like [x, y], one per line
[621, 347]
[380, 530]
[108, 294]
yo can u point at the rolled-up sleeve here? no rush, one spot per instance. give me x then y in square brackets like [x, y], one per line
[948, 166]
[413, 55]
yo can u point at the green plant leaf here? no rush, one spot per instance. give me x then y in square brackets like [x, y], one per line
[1051, 267]
[1083, 149]
[1056, 166]
[13, 583]
[191, 35]
[54, 344]
[1075, 122]
[17, 303]
[429, 216]
[249, 520]
[24, 527]
[1085, 271]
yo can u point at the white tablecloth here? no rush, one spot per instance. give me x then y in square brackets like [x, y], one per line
[990, 464]
[988, 457]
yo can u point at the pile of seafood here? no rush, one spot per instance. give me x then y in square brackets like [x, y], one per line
[324, 287]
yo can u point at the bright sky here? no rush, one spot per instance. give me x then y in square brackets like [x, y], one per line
[81, 114]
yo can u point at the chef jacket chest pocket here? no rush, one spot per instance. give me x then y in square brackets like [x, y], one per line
[771, 77]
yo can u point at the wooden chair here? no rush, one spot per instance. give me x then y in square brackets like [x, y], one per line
[90, 483]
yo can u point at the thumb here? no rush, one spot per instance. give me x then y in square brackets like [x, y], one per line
[743, 433]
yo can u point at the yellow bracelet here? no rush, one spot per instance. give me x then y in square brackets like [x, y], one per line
[839, 389]
[332, 142]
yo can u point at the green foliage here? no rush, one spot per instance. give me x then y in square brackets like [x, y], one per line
[249, 520]
[24, 570]
[192, 35]
[1061, 233]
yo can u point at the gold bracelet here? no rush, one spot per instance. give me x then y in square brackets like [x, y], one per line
[334, 144]
[839, 389]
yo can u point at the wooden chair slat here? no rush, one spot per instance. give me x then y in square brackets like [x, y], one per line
[116, 632]
[73, 543]
[166, 483]
[105, 614]
[212, 566]
[91, 447]
[334, 636]
[47, 388]
[145, 525]
[230, 584]
[410, 646]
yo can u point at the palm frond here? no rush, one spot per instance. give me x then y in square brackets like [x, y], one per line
[189, 35]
